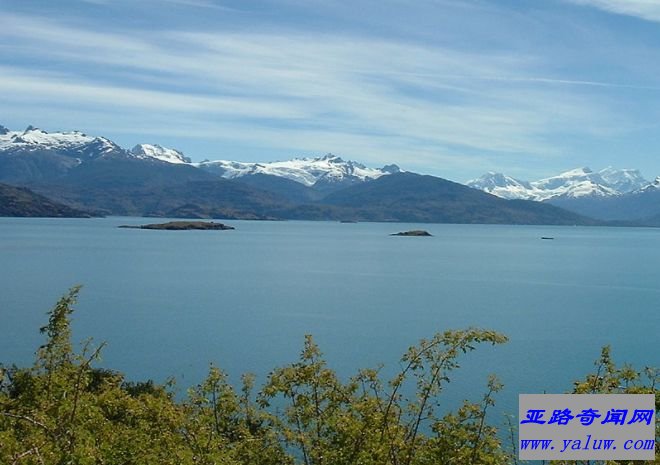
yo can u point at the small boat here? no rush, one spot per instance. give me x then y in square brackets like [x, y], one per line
[547, 238]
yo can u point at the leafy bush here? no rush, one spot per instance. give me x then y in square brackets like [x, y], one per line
[62, 410]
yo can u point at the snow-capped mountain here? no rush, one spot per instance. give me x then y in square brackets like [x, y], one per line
[36, 155]
[653, 186]
[76, 144]
[623, 180]
[579, 182]
[97, 174]
[73, 144]
[503, 186]
[158, 152]
[576, 183]
[329, 169]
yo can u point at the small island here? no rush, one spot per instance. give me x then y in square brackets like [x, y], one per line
[183, 226]
[415, 233]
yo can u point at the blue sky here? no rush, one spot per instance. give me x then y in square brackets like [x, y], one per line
[445, 87]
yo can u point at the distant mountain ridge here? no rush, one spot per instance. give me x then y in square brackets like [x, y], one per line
[34, 155]
[576, 183]
[94, 173]
[74, 143]
[612, 195]
[328, 172]
[159, 152]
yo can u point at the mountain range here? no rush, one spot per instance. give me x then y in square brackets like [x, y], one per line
[93, 173]
[609, 194]
[580, 182]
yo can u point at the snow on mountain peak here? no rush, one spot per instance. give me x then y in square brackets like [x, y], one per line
[330, 157]
[492, 180]
[576, 172]
[650, 186]
[38, 138]
[324, 172]
[623, 180]
[502, 185]
[579, 182]
[308, 171]
[574, 183]
[158, 152]
[587, 188]
[74, 144]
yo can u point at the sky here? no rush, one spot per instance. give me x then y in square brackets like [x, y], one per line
[452, 88]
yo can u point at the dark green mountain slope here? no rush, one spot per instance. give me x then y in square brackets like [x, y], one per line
[121, 185]
[411, 197]
[218, 198]
[19, 201]
[294, 192]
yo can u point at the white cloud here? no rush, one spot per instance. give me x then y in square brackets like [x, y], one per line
[645, 9]
[365, 97]
[27, 88]
[209, 4]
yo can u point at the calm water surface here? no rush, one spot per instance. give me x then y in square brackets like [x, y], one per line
[170, 302]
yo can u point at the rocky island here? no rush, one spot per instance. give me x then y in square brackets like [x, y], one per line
[415, 232]
[183, 226]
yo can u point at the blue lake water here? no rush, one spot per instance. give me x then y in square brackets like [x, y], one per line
[170, 302]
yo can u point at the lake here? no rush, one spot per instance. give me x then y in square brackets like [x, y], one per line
[170, 302]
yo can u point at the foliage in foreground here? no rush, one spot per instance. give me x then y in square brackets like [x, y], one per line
[62, 410]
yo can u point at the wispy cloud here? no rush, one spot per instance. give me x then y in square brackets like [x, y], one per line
[373, 99]
[562, 82]
[645, 9]
[208, 4]
[30, 88]
[200, 4]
